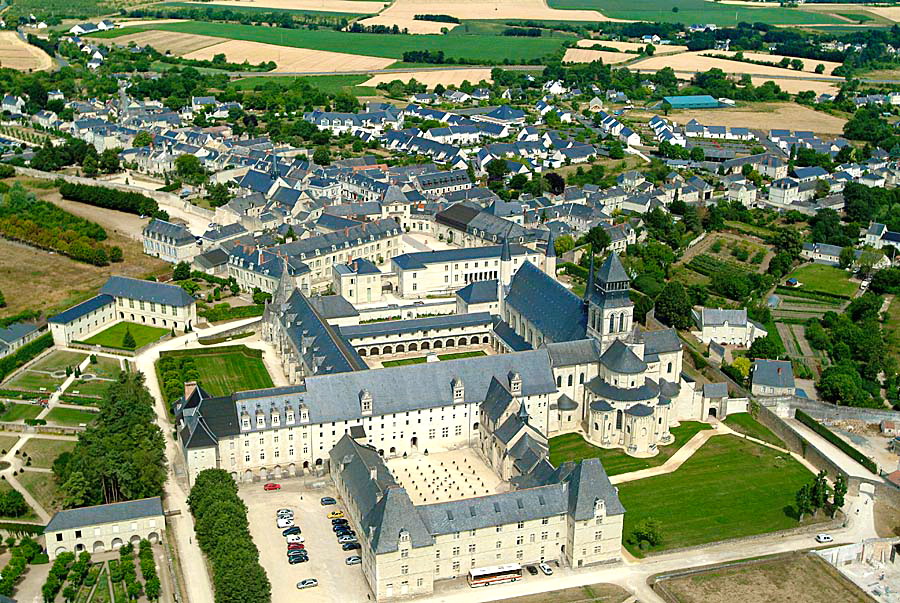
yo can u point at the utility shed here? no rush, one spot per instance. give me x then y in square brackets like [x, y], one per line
[698, 101]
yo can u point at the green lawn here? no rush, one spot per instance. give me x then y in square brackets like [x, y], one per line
[34, 381]
[43, 451]
[94, 387]
[230, 369]
[113, 336]
[461, 355]
[390, 363]
[744, 423]
[730, 488]
[821, 277]
[473, 47]
[70, 416]
[7, 442]
[44, 489]
[573, 447]
[695, 11]
[58, 360]
[105, 367]
[18, 412]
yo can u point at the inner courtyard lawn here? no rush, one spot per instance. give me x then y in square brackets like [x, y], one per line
[573, 447]
[233, 369]
[17, 412]
[58, 360]
[729, 488]
[114, 336]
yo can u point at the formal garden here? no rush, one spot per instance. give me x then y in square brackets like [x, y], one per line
[423, 359]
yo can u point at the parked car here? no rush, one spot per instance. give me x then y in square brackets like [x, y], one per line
[532, 570]
[353, 560]
[345, 533]
[296, 546]
[327, 500]
[343, 527]
[346, 539]
[281, 511]
[339, 522]
[285, 513]
[824, 538]
[295, 538]
[291, 531]
[351, 546]
[548, 571]
[296, 559]
[308, 583]
[271, 486]
[284, 523]
[336, 515]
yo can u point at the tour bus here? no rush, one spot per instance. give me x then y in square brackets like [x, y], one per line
[497, 574]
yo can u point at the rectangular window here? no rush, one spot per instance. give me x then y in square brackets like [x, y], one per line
[445, 432]
[519, 555]
[458, 430]
[520, 525]
[404, 553]
[404, 570]
[520, 540]
[598, 535]
[456, 551]
[544, 535]
[471, 548]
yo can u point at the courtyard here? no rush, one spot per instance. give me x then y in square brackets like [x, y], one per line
[114, 336]
[422, 356]
[445, 476]
[227, 369]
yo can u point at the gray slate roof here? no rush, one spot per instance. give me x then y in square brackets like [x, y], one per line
[620, 359]
[149, 291]
[85, 307]
[393, 327]
[773, 373]
[556, 312]
[479, 292]
[91, 516]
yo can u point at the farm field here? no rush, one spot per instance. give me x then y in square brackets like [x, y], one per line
[401, 13]
[631, 46]
[586, 55]
[44, 451]
[17, 54]
[358, 8]
[795, 86]
[446, 77]
[289, 59]
[573, 447]
[824, 278]
[699, 61]
[764, 116]
[809, 65]
[231, 369]
[113, 336]
[163, 41]
[475, 47]
[696, 11]
[798, 577]
[327, 83]
[329, 6]
[729, 488]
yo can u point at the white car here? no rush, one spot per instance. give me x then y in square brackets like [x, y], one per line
[288, 515]
[285, 523]
[284, 512]
[548, 571]
[824, 538]
[295, 539]
[308, 583]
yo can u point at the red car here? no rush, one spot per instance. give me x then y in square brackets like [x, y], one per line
[270, 486]
[296, 546]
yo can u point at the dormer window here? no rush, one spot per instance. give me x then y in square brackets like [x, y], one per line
[458, 390]
[404, 536]
[245, 422]
[365, 402]
[260, 419]
[599, 507]
[289, 416]
[515, 384]
[276, 418]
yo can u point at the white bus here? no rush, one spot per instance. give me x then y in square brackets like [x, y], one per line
[497, 574]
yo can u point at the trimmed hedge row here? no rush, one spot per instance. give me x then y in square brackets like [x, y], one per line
[575, 270]
[24, 354]
[832, 437]
[100, 196]
[222, 312]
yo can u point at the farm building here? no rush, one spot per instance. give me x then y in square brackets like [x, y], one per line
[699, 101]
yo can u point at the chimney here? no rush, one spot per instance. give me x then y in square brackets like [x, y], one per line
[189, 388]
[373, 473]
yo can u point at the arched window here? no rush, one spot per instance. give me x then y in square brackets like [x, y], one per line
[581, 378]
[612, 324]
[559, 381]
[622, 322]
[570, 380]
[669, 368]
[618, 419]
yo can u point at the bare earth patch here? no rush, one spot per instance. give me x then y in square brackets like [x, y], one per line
[586, 55]
[634, 46]
[765, 117]
[800, 578]
[401, 13]
[169, 41]
[288, 59]
[431, 79]
[329, 6]
[19, 55]
[693, 62]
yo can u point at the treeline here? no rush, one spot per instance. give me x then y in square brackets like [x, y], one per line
[532, 32]
[121, 455]
[174, 372]
[424, 56]
[358, 27]
[46, 226]
[27, 551]
[438, 18]
[222, 530]
[100, 196]
[275, 18]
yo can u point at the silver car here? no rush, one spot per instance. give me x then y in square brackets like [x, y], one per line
[308, 583]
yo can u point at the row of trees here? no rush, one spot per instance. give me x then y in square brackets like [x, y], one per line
[814, 496]
[100, 196]
[44, 225]
[222, 530]
[21, 555]
[121, 455]
[174, 372]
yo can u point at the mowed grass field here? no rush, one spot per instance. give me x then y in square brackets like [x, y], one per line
[114, 336]
[573, 447]
[729, 488]
[43, 451]
[743, 422]
[695, 11]
[331, 84]
[232, 369]
[828, 279]
[475, 47]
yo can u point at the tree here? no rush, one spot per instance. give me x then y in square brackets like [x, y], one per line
[142, 139]
[189, 168]
[182, 271]
[820, 68]
[763, 347]
[673, 306]
[797, 64]
[555, 183]
[698, 154]
[838, 493]
[597, 238]
[128, 340]
[847, 257]
[322, 156]
[742, 364]
[561, 245]
[89, 167]
[109, 161]
[803, 501]
[616, 150]
[3, 299]
[818, 495]
[646, 533]
[496, 169]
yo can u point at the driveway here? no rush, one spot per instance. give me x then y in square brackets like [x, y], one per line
[337, 580]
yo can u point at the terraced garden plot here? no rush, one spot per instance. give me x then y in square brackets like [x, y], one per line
[58, 360]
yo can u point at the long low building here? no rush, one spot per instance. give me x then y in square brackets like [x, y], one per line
[418, 334]
[104, 527]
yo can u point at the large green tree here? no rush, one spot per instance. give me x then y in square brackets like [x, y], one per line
[673, 306]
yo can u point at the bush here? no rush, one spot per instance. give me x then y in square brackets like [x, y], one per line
[99, 196]
[829, 435]
[24, 354]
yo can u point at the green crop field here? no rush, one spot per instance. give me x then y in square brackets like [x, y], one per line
[729, 488]
[821, 277]
[364, 9]
[743, 423]
[573, 447]
[70, 416]
[486, 48]
[695, 11]
[113, 336]
[233, 369]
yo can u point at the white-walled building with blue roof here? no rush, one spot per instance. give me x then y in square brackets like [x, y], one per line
[104, 527]
[130, 300]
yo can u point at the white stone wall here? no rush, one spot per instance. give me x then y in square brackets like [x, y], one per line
[84, 326]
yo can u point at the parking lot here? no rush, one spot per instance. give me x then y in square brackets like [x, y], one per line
[337, 581]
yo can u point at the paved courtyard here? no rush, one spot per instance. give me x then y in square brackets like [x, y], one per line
[445, 476]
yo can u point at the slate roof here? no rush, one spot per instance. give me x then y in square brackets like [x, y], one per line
[393, 327]
[149, 291]
[566, 403]
[410, 261]
[479, 292]
[85, 307]
[620, 359]
[333, 306]
[719, 316]
[16, 331]
[569, 353]
[639, 410]
[557, 313]
[648, 391]
[773, 373]
[612, 270]
[177, 232]
[100, 514]
[512, 339]
[660, 342]
[715, 390]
